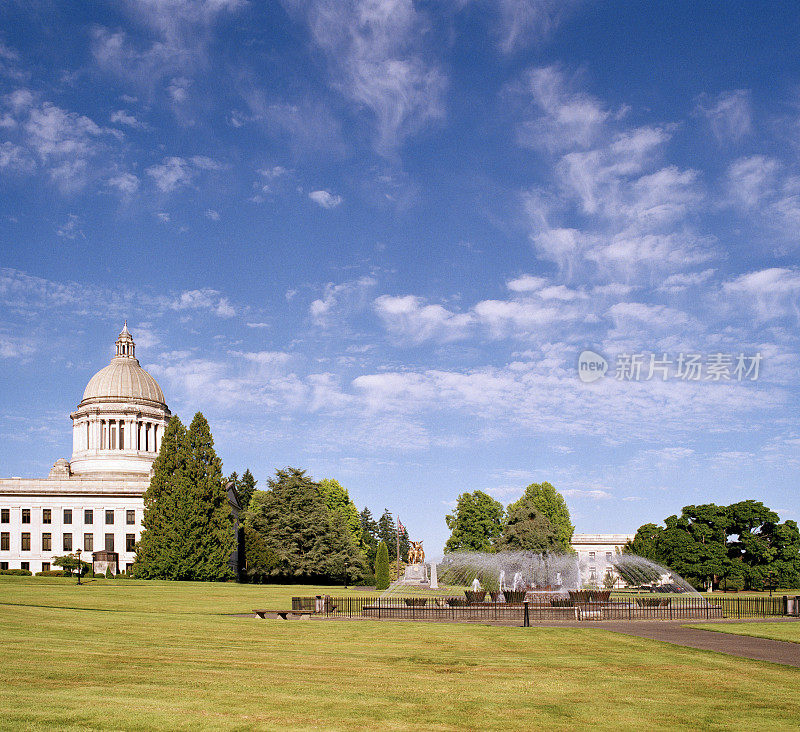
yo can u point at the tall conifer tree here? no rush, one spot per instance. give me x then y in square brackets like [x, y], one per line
[210, 524]
[246, 486]
[157, 547]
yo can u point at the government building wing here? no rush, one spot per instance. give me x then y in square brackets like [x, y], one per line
[94, 501]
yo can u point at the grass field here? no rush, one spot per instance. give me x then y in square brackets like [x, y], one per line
[785, 631]
[142, 655]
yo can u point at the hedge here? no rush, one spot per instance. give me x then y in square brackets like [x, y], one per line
[17, 572]
[52, 573]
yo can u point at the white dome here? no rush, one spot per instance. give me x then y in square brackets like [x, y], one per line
[123, 380]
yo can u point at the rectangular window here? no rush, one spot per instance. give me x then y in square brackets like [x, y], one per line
[25, 546]
[5, 515]
[109, 542]
[26, 515]
[130, 517]
[608, 556]
[5, 541]
[67, 542]
[88, 516]
[45, 566]
[113, 437]
[110, 517]
[25, 565]
[47, 542]
[47, 516]
[67, 515]
[130, 542]
[88, 542]
[591, 556]
[3, 565]
[121, 436]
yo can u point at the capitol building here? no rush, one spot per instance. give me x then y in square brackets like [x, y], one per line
[94, 501]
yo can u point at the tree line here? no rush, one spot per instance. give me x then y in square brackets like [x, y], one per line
[740, 546]
[539, 521]
[297, 530]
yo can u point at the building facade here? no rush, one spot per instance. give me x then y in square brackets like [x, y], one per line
[595, 555]
[94, 501]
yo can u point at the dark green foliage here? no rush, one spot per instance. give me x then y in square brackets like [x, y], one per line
[382, 567]
[528, 528]
[52, 573]
[109, 573]
[245, 488]
[476, 524]
[187, 526]
[17, 572]
[260, 560]
[337, 499]
[551, 504]
[70, 563]
[741, 546]
[387, 533]
[311, 543]
[369, 536]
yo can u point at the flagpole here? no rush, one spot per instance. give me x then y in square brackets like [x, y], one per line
[397, 534]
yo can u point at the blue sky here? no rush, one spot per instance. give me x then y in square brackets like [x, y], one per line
[371, 238]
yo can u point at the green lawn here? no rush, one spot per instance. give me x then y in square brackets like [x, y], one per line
[140, 655]
[785, 630]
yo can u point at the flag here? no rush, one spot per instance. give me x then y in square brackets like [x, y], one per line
[400, 528]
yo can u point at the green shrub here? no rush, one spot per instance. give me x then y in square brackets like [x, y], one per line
[368, 580]
[52, 573]
[382, 567]
[17, 572]
[109, 573]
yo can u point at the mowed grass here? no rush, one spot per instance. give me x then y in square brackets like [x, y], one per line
[176, 663]
[788, 630]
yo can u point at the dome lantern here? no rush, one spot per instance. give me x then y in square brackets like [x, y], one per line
[125, 345]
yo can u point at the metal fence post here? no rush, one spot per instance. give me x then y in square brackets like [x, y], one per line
[526, 622]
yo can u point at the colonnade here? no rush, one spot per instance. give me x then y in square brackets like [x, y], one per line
[123, 433]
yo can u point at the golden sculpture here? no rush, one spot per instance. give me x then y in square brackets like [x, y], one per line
[416, 555]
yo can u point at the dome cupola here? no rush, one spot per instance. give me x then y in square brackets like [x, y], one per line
[118, 425]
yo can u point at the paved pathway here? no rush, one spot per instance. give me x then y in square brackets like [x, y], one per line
[759, 649]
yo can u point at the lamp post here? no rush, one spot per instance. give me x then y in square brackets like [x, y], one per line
[79, 565]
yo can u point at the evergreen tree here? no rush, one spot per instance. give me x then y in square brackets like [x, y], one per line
[382, 567]
[310, 542]
[528, 528]
[187, 526]
[158, 545]
[337, 499]
[553, 507]
[209, 514]
[476, 524]
[245, 488]
[369, 536]
[387, 533]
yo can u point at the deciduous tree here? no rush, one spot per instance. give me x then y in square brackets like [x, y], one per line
[476, 524]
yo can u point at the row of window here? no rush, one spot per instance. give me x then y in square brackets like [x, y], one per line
[66, 542]
[609, 555]
[46, 566]
[47, 516]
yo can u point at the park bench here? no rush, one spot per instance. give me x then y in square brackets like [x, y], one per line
[282, 614]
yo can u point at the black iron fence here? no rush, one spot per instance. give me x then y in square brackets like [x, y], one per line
[647, 607]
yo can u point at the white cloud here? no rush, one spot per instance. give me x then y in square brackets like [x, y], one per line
[340, 299]
[325, 199]
[212, 214]
[205, 299]
[125, 118]
[729, 114]
[526, 283]
[177, 172]
[592, 493]
[682, 281]
[559, 117]
[377, 61]
[71, 229]
[769, 293]
[410, 319]
[125, 183]
[523, 22]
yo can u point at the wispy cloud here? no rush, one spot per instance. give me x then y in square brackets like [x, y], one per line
[326, 199]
